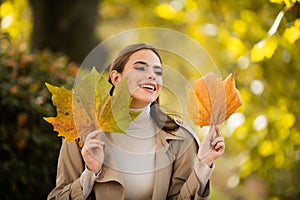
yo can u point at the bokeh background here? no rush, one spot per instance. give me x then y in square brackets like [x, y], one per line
[46, 41]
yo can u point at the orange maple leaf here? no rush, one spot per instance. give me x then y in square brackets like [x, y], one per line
[212, 100]
[233, 99]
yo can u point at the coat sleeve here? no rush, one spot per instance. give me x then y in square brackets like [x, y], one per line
[69, 169]
[190, 177]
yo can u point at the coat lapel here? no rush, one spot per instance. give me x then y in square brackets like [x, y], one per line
[164, 158]
[110, 178]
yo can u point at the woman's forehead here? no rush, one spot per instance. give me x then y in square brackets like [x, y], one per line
[145, 55]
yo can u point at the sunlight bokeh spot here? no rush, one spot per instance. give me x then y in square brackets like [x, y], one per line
[266, 148]
[289, 120]
[264, 49]
[234, 121]
[210, 29]
[235, 47]
[240, 27]
[292, 34]
[260, 122]
[7, 21]
[257, 87]
[243, 62]
[233, 181]
[177, 5]
[165, 11]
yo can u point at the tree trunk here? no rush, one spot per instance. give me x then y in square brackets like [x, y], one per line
[65, 26]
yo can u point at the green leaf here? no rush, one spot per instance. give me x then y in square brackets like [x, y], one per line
[85, 94]
[115, 116]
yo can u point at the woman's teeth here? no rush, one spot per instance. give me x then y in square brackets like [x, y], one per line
[151, 87]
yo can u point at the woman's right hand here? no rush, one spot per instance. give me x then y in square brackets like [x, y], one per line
[93, 151]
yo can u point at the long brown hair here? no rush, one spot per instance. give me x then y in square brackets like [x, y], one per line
[162, 120]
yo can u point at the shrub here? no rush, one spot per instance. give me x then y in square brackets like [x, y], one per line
[29, 147]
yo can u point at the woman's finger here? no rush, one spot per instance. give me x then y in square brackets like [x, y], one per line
[219, 146]
[216, 140]
[94, 144]
[218, 131]
[93, 135]
[211, 132]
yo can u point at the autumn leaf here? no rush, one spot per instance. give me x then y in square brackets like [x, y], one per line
[84, 103]
[115, 116]
[63, 123]
[193, 107]
[212, 100]
[88, 107]
[233, 99]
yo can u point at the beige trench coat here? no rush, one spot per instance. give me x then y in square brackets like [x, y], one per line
[177, 180]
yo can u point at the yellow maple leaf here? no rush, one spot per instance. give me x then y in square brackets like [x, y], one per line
[63, 123]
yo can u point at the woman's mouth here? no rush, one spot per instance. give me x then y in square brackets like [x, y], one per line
[150, 87]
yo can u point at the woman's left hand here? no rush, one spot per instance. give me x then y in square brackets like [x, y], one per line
[212, 147]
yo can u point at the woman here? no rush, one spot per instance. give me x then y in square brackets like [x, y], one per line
[158, 157]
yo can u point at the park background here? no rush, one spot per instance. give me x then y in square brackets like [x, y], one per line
[46, 40]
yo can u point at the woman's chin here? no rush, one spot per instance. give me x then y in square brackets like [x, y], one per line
[141, 103]
[143, 99]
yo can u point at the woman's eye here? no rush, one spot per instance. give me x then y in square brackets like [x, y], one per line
[140, 68]
[159, 73]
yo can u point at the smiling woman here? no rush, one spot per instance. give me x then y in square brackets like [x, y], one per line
[144, 71]
[159, 157]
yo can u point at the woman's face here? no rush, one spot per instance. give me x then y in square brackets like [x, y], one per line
[144, 72]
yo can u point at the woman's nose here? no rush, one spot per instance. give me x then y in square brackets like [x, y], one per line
[151, 74]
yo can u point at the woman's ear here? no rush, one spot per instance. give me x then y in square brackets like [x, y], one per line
[115, 77]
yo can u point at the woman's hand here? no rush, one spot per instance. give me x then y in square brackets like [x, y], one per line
[212, 146]
[93, 152]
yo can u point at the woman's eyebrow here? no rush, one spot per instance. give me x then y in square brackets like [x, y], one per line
[141, 62]
[144, 63]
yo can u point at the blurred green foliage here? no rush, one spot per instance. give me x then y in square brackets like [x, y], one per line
[262, 159]
[29, 148]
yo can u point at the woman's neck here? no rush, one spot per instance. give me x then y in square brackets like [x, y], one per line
[144, 117]
[142, 126]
